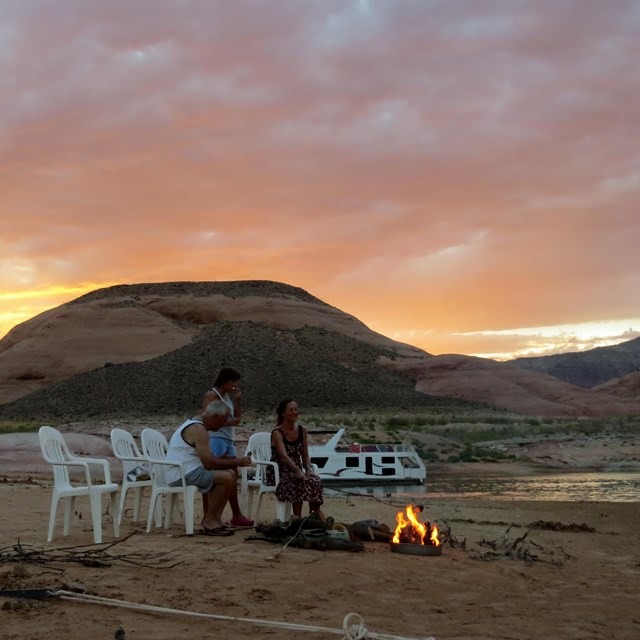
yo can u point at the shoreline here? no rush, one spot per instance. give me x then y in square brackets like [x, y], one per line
[505, 562]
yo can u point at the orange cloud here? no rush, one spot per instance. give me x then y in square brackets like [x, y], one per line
[435, 169]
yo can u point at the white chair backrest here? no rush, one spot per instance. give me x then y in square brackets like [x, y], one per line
[154, 448]
[125, 449]
[259, 446]
[54, 451]
[154, 444]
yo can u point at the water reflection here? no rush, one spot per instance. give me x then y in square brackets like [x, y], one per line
[574, 487]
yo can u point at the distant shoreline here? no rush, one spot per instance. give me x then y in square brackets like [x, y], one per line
[522, 455]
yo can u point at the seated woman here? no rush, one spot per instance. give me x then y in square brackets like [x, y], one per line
[290, 451]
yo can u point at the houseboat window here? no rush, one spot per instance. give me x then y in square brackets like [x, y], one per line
[321, 462]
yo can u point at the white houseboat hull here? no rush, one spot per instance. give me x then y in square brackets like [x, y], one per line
[389, 463]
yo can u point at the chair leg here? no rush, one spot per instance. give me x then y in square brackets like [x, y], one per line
[52, 516]
[137, 501]
[115, 516]
[188, 498]
[96, 515]
[157, 511]
[69, 506]
[123, 495]
[258, 507]
[168, 516]
[283, 511]
[154, 510]
[250, 493]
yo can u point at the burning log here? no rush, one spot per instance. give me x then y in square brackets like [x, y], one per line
[411, 531]
[415, 537]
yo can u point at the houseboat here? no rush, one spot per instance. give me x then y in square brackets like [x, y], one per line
[390, 463]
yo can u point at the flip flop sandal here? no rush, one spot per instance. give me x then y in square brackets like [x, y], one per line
[217, 531]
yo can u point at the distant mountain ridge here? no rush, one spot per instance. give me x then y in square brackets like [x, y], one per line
[587, 368]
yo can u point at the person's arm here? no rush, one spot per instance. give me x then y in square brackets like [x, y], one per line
[306, 461]
[199, 437]
[212, 396]
[237, 405]
[277, 440]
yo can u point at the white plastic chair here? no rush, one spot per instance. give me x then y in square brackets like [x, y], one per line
[56, 453]
[154, 448]
[259, 446]
[126, 450]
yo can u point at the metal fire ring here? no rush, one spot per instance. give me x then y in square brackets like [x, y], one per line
[416, 549]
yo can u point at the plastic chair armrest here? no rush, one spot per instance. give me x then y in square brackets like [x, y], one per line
[276, 471]
[104, 464]
[168, 463]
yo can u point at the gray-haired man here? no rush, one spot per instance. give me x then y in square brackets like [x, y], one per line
[189, 446]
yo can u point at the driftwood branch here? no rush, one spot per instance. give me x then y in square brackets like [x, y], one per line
[519, 548]
[446, 537]
[101, 555]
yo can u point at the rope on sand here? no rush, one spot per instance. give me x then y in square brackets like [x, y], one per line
[352, 626]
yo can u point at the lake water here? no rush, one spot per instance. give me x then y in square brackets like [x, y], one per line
[572, 487]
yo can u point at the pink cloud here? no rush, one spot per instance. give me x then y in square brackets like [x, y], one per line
[445, 165]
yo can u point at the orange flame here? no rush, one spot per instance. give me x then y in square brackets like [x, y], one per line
[412, 530]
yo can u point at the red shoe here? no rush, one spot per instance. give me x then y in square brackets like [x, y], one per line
[241, 521]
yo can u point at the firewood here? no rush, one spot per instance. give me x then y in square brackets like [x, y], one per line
[359, 531]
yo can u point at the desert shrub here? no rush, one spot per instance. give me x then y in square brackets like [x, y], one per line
[20, 427]
[398, 421]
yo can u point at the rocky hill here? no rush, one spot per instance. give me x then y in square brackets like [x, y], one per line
[317, 367]
[587, 368]
[625, 387]
[155, 348]
[135, 323]
[518, 390]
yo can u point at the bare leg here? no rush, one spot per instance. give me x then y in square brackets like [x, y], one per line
[314, 507]
[235, 504]
[233, 499]
[296, 508]
[217, 499]
[238, 518]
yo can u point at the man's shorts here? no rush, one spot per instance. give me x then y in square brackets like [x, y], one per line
[200, 477]
[222, 448]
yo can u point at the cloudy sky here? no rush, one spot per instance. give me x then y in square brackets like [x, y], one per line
[460, 175]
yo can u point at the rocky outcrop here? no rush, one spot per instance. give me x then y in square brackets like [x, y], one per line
[135, 323]
[587, 368]
[625, 387]
[513, 389]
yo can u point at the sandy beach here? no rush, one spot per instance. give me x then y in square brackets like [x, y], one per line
[511, 569]
[575, 575]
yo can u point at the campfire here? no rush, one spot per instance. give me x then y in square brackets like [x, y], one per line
[413, 536]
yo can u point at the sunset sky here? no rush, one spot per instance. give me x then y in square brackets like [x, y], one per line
[463, 176]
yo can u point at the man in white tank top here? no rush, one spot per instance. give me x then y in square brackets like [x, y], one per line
[214, 476]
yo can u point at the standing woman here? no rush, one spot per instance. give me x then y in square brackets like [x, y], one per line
[225, 388]
[289, 449]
